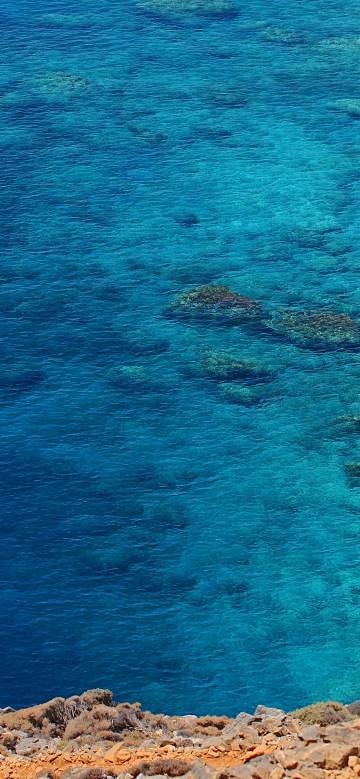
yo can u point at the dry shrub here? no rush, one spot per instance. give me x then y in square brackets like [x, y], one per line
[108, 735]
[102, 718]
[96, 773]
[168, 767]
[9, 739]
[133, 739]
[83, 724]
[323, 713]
[49, 718]
[92, 698]
[52, 717]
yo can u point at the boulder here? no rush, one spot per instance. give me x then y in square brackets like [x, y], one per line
[354, 707]
[310, 734]
[332, 757]
[287, 758]
[267, 711]
[28, 746]
[308, 771]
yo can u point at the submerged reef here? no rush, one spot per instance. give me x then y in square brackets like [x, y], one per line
[322, 329]
[350, 106]
[352, 471]
[226, 366]
[59, 83]
[241, 395]
[214, 302]
[128, 376]
[16, 380]
[91, 736]
[345, 44]
[347, 424]
[181, 6]
[281, 35]
[227, 95]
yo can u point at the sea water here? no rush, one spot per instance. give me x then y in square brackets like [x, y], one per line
[186, 551]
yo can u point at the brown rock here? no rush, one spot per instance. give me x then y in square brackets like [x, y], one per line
[310, 733]
[330, 756]
[286, 758]
[237, 772]
[266, 711]
[308, 772]
[275, 725]
[28, 746]
[240, 729]
[261, 767]
[201, 771]
[341, 734]
[277, 772]
[354, 708]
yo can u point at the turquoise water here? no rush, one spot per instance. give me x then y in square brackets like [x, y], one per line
[191, 545]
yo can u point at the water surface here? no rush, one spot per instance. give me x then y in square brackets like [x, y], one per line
[186, 551]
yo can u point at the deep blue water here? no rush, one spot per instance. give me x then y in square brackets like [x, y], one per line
[186, 551]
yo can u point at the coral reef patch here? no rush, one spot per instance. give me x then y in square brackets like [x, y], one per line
[214, 302]
[326, 329]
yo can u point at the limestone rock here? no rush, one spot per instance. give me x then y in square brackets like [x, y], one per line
[331, 756]
[266, 711]
[28, 746]
[310, 734]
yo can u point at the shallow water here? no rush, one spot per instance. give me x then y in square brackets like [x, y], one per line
[186, 551]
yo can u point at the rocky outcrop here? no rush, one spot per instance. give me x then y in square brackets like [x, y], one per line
[90, 736]
[323, 329]
[214, 302]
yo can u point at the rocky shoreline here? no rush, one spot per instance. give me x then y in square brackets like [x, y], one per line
[90, 736]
